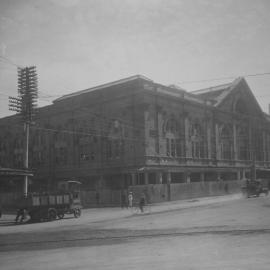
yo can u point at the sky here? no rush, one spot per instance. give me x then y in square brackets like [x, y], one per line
[78, 44]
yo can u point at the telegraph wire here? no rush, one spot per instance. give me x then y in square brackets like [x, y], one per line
[104, 118]
[108, 120]
[121, 138]
[225, 78]
[125, 95]
[71, 132]
[8, 61]
[100, 135]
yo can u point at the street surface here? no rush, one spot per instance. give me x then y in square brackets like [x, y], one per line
[226, 232]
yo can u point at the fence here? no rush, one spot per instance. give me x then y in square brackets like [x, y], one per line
[181, 191]
[154, 193]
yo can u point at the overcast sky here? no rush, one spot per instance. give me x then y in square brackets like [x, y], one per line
[78, 44]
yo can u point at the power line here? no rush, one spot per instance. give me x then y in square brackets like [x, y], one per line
[48, 95]
[225, 78]
[108, 120]
[183, 82]
[141, 127]
[125, 95]
[78, 133]
[9, 61]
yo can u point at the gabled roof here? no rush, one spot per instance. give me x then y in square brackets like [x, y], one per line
[118, 82]
[217, 94]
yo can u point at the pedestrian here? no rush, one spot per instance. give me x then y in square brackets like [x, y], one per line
[142, 202]
[130, 199]
[21, 215]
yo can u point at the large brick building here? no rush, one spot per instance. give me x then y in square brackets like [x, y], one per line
[136, 132]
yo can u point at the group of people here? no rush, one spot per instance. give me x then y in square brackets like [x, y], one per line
[127, 202]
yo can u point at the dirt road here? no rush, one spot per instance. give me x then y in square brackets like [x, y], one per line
[226, 234]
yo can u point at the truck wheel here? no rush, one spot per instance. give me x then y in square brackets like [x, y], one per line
[77, 213]
[60, 215]
[52, 214]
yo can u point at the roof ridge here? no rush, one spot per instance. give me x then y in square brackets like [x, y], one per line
[127, 79]
[212, 88]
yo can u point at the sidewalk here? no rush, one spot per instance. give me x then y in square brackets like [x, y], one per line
[110, 213]
[94, 216]
[195, 202]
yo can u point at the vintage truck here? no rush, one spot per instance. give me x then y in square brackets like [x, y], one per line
[51, 205]
[255, 188]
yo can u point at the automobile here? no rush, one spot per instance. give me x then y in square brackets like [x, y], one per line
[253, 188]
[50, 205]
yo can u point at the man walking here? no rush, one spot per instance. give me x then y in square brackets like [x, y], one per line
[142, 202]
[130, 200]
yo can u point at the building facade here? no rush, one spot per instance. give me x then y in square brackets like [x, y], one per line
[138, 132]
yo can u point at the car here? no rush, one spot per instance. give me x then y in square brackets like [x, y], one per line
[253, 188]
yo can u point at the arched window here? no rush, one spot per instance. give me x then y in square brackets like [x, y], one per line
[197, 141]
[226, 143]
[258, 145]
[18, 151]
[242, 143]
[115, 143]
[174, 139]
[60, 146]
[3, 152]
[267, 144]
[38, 149]
[171, 126]
[87, 142]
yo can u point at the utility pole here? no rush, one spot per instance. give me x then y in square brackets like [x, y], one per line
[25, 104]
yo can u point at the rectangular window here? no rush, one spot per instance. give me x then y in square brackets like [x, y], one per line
[196, 149]
[173, 149]
[38, 158]
[179, 152]
[84, 157]
[168, 147]
[152, 133]
[117, 148]
[109, 149]
[61, 156]
[201, 150]
[85, 152]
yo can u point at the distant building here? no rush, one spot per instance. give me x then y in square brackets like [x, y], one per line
[136, 132]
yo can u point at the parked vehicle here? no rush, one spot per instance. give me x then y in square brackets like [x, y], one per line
[254, 188]
[50, 206]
